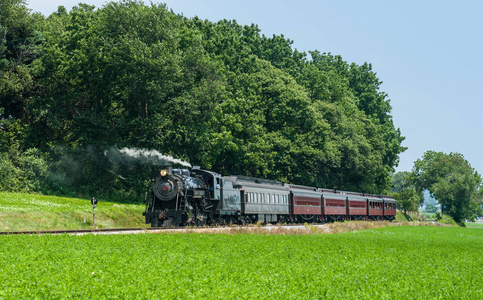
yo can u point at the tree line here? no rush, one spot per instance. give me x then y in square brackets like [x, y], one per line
[216, 94]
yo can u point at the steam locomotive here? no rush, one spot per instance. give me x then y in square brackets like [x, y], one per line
[181, 197]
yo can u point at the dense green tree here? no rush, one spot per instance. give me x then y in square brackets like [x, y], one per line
[400, 181]
[452, 181]
[408, 197]
[20, 47]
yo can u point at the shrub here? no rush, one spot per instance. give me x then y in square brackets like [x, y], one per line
[22, 171]
[446, 219]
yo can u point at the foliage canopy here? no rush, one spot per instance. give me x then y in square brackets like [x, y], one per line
[217, 94]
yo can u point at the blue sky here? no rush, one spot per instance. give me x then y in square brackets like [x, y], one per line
[429, 55]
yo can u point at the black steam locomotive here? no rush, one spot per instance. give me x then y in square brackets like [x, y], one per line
[181, 197]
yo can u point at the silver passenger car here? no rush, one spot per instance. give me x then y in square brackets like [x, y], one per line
[262, 199]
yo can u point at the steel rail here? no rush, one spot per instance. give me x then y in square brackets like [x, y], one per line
[74, 231]
[167, 229]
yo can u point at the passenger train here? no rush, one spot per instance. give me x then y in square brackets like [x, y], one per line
[182, 197]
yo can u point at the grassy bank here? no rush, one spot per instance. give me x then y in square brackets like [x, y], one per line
[20, 212]
[395, 262]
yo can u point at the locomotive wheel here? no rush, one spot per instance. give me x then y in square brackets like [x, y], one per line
[201, 219]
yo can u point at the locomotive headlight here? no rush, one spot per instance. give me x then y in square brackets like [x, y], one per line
[164, 172]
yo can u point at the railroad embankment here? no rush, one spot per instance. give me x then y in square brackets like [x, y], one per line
[25, 212]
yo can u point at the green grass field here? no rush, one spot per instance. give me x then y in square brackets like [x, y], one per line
[474, 225]
[403, 262]
[37, 212]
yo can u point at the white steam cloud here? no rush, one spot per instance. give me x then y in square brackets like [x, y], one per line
[152, 155]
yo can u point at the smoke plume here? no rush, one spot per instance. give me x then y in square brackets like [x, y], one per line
[127, 155]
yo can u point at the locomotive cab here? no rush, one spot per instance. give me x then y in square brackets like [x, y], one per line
[212, 180]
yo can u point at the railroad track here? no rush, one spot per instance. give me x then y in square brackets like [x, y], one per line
[148, 229]
[82, 231]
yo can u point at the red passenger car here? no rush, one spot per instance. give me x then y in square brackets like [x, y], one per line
[389, 208]
[334, 206]
[356, 207]
[305, 204]
[375, 210]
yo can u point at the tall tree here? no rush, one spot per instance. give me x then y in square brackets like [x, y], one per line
[404, 191]
[452, 181]
[20, 46]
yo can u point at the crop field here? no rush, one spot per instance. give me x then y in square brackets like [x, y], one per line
[37, 212]
[387, 263]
